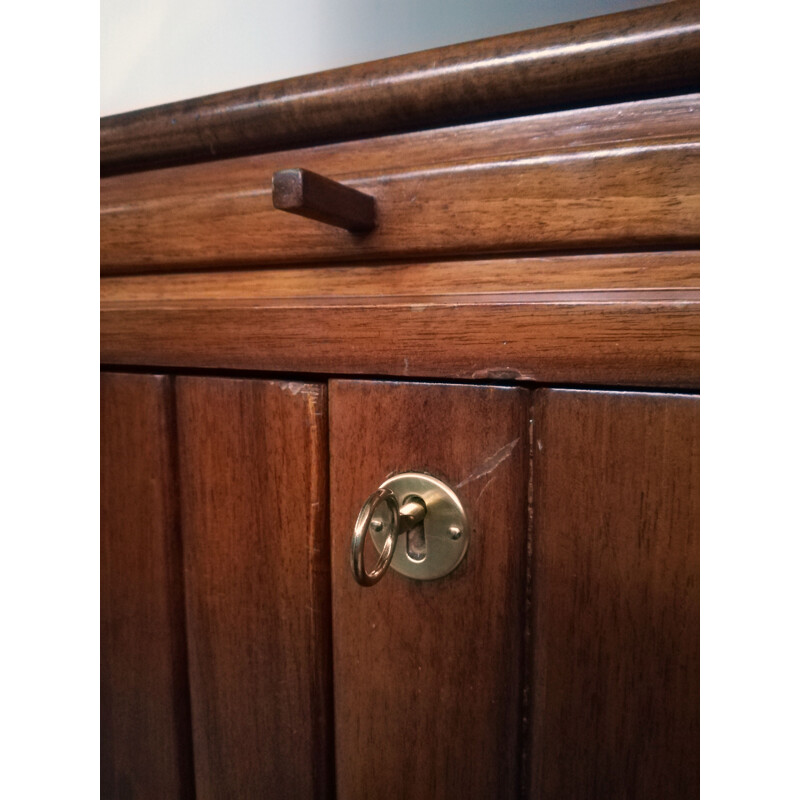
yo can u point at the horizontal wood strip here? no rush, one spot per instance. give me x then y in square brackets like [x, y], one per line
[638, 53]
[627, 196]
[665, 118]
[636, 337]
[616, 271]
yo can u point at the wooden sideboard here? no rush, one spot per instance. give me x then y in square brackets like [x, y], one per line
[521, 323]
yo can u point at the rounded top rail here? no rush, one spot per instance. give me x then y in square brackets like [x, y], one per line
[642, 53]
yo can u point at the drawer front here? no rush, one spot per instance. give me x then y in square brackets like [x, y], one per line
[611, 177]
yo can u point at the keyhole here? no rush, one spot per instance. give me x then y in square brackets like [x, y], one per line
[416, 547]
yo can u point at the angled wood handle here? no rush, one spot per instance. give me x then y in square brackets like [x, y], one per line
[302, 192]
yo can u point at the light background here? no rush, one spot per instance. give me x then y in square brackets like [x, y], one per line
[157, 51]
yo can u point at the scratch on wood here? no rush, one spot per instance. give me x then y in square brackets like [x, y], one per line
[490, 464]
[497, 373]
[293, 387]
[485, 487]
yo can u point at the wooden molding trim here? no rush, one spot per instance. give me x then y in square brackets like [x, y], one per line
[670, 270]
[541, 328]
[634, 54]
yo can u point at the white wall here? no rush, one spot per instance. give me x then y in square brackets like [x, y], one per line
[156, 51]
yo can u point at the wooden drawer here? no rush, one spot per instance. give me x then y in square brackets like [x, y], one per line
[618, 176]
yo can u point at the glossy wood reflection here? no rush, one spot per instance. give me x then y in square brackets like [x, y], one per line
[632, 182]
[633, 338]
[145, 731]
[537, 209]
[637, 53]
[615, 624]
[253, 461]
[428, 673]
[676, 270]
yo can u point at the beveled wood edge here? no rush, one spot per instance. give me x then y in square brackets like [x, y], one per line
[628, 55]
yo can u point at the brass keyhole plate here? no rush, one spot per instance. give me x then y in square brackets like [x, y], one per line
[445, 526]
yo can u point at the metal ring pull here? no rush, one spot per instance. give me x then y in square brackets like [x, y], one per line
[416, 523]
[403, 519]
[360, 534]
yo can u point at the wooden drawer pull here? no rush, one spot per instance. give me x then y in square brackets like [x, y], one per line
[316, 197]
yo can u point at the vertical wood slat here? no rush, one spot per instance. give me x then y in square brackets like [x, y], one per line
[253, 464]
[428, 674]
[615, 646]
[144, 695]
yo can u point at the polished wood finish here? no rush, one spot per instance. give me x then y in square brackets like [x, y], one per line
[144, 695]
[628, 319]
[428, 674]
[625, 337]
[532, 184]
[615, 619]
[253, 471]
[670, 270]
[638, 53]
[559, 246]
[316, 197]
[658, 119]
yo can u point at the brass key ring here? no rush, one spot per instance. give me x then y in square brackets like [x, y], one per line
[403, 520]
[360, 533]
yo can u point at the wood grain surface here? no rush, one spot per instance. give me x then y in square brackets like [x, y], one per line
[614, 337]
[675, 270]
[657, 119]
[307, 194]
[615, 647]
[253, 469]
[428, 674]
[625, 176]
[144, 694]
[638, 53]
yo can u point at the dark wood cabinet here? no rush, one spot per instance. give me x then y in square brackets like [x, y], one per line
[522, 324]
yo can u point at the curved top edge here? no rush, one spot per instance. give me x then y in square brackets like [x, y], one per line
[633, 54]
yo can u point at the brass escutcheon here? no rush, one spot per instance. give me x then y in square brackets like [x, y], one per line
[418, 526]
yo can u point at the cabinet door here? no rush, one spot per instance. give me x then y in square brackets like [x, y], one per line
[432, 694]
[428, 674]
[253, 469]
[615, 616]
[144, 700]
